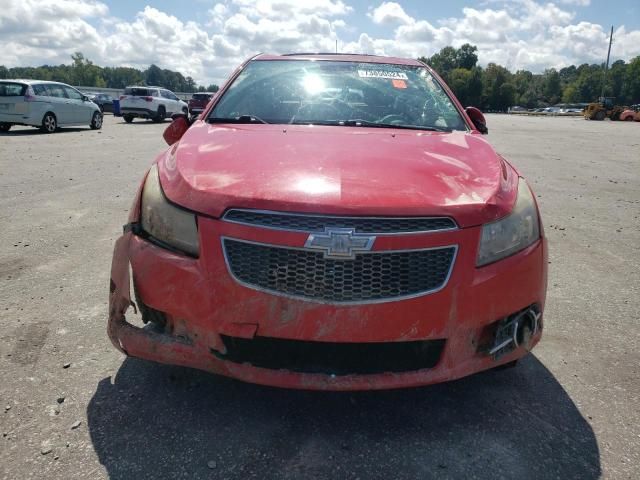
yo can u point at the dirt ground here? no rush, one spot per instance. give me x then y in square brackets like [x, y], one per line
[72, 407]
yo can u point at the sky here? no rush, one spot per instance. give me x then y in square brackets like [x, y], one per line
[207, 39]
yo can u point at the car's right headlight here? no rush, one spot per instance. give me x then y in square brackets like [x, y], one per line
[169, 225]
[512, 233]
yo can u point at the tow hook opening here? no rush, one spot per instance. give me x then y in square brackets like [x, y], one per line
[514, 331]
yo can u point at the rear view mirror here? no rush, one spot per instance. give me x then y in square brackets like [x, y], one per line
[177, 128]
[478, 119]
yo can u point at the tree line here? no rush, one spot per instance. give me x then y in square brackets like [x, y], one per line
[495, 88]
[83, 72]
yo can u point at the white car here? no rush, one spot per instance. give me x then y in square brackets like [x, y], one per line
[155, 103]
[46, 105]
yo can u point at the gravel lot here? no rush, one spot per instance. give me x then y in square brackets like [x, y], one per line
[73, 407]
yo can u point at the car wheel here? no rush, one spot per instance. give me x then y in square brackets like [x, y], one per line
[49, 123]
[96, 121]
[600, 115]
[629, 119]
[160, 116]
[128, 118]
[5, 127]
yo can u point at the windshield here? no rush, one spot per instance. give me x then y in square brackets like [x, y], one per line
[338, 93]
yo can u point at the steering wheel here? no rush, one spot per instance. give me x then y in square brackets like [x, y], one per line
[392, 117]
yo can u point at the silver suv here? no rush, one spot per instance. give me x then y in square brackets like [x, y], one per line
[155, 103]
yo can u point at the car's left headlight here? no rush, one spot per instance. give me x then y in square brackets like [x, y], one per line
[512, 233]
[168, 224]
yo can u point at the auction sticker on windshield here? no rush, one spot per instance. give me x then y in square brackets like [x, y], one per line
[382, 74]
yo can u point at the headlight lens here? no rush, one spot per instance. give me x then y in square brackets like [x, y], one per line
[512, 233]
[165, 222]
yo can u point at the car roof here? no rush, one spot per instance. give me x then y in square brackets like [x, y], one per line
[341, 57]
[29, 81]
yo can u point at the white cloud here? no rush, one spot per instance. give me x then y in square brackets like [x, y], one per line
[390, 13]
[518, 34]
[580, 3]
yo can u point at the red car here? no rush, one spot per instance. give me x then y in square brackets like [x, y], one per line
[332, 222]
[198, 102]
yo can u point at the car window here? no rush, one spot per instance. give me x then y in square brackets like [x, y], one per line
[137, 91]
[56, 91]
[40, 90]
[340, 93]
[72, 93]
[10, 89]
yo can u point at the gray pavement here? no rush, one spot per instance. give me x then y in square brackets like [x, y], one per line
[569, 410]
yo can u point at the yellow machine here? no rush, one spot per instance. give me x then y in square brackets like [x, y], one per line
[603, 108]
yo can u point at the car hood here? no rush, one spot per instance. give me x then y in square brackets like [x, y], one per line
[338, 170]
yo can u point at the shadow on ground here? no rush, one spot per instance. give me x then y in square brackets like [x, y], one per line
[36, 131]
[168, 422]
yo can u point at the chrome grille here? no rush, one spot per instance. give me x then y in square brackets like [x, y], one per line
[370, 277]
[317, 223]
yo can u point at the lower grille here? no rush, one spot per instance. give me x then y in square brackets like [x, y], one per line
[370, 277]
[332, 358]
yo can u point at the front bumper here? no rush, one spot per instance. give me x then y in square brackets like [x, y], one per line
[210, 305]
[138, 112]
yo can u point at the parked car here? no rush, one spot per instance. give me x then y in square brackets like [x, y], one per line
[103, 100]
[154, 103]
[199, 101]
[295, 235]
[46, 105]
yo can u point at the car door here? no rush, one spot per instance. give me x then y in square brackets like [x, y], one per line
[80, 110]
[60, 103]
[177, 102]
[167, 101]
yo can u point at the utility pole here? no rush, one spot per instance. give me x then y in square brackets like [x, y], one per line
[604, 74]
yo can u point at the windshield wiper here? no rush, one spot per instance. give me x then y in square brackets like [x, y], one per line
[365, 123]
[240, 119]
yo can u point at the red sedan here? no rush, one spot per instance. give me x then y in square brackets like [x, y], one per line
[332, 222]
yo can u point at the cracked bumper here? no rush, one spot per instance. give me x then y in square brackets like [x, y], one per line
[208, 304]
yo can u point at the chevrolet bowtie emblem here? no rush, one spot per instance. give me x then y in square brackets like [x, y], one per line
[340, 243]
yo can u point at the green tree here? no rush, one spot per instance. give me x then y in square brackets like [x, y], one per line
[466, 56]
[631, 89]
[494, 97]
[552, 86]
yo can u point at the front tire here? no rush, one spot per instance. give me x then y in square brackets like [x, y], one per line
[5, 127]
[96, 121]
[128, 118]
[162, 113]
[49, 123]
[600, 115]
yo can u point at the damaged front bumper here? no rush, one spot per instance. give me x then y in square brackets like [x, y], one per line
[214, 324]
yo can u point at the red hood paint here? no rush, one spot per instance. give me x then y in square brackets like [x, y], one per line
[338, 170]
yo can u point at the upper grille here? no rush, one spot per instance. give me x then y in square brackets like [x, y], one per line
[370, 277]
[317, 223]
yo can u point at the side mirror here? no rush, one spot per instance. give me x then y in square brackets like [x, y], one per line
[478, 119]
[85, 98]
[177, 128]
